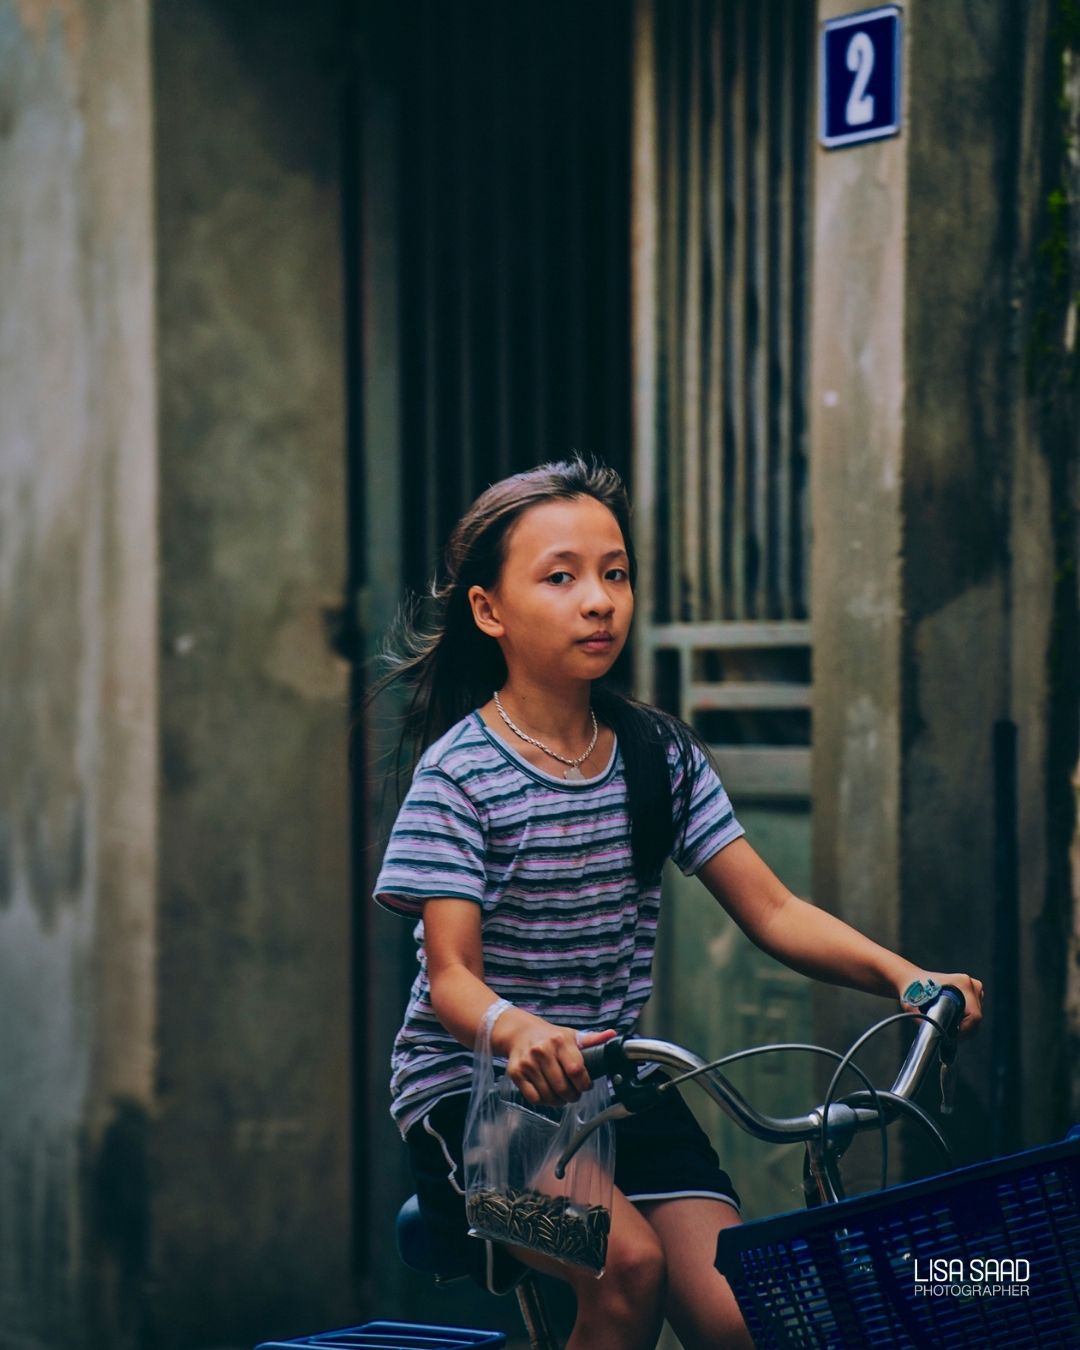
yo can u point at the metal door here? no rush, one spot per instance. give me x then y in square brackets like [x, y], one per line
[489, 227]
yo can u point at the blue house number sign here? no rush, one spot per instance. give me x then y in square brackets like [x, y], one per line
[860, 76]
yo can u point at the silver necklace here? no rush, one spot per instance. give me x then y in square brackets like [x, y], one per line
[573, 772]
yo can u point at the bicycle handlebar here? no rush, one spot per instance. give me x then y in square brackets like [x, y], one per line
[616, 1058]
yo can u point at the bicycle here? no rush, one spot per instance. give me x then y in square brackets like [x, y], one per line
[845, 1272]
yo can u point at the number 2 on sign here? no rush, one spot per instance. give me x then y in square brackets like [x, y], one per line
[860, 59]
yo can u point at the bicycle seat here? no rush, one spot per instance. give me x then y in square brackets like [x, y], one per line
[420, 1246]
[433, 1251]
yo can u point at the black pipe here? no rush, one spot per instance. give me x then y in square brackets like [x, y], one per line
[1004, 986]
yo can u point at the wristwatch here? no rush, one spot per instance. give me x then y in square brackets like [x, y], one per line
[919, 992]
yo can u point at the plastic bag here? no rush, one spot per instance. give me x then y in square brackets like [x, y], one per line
[512, 1194]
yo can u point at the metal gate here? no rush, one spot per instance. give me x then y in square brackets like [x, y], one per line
[721, 191]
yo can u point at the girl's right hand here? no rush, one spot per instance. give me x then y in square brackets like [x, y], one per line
[543, 1060]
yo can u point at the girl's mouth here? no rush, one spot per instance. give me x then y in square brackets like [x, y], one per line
[598, 642]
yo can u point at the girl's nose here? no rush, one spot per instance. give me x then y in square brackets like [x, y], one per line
[599, 603]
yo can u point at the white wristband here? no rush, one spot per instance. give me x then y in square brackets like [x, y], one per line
[491, 1015]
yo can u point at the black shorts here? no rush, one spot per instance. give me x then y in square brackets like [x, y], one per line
[661, 1154]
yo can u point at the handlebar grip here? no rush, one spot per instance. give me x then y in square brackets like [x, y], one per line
[597, 1060]
[949, 1018]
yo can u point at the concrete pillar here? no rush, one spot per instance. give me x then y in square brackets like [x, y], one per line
[252, 1144]
[78, 671]
[856, 438]
[933, 571]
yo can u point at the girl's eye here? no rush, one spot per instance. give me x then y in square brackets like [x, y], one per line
[559, 578]
[618, 574]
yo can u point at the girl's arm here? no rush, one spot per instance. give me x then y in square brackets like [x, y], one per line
[542, 1059]
[812, 941]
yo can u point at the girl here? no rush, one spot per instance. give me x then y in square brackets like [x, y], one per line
[530, 846]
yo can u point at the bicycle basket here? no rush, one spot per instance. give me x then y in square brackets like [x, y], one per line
[986, 1255]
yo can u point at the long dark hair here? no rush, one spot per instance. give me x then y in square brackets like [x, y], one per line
[452, 667]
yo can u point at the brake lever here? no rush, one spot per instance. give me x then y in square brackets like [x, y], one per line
[616, 1111]
[609, 1059]
[631, 1095]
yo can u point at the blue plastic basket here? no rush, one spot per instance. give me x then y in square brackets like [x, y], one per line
[395, 1336]
[858, 1273]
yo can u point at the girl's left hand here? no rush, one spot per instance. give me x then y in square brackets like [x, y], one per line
[974, 993]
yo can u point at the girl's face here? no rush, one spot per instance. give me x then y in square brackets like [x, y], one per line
[562, 604]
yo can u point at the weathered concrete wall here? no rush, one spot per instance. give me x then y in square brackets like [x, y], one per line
[1067, 159]
[934, 538]
[78, 586]
[961, 593]
[1049, 491]
[252, 1145]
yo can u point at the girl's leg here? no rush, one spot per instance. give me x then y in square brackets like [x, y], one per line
[700, 1305]
[624, 1309]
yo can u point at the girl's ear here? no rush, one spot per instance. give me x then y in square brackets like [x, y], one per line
[483, 612]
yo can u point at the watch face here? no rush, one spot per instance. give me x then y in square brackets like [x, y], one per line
[919, 992]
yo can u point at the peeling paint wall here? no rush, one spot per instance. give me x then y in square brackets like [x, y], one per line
[175, 1007]
[78, 675]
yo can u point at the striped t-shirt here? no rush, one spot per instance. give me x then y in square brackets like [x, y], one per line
[568, 932]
